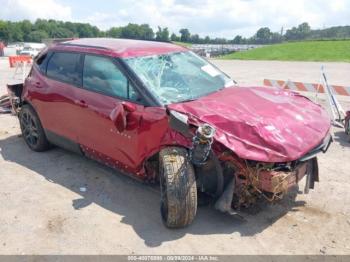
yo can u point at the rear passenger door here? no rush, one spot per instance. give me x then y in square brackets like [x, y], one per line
[57, 105]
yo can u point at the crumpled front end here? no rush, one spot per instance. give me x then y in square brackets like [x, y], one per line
[235, 182]
[260, 124]
[262, 143]
[248, 180]
[255, 180]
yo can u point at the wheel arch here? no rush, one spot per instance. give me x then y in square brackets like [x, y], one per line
[35, 127]
[150, 165]
[27, 102]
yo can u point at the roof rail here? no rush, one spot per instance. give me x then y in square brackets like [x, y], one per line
[82, 45]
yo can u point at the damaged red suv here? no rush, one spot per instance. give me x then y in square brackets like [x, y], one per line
[163, 114]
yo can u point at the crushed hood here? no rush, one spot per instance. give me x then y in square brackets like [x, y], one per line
[262, 124]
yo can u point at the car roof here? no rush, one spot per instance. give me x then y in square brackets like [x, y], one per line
[119, 47]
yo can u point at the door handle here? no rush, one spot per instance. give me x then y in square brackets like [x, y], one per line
[81, 103]
[37, 84]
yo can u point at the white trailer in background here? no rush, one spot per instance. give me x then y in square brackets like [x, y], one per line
[10, 51]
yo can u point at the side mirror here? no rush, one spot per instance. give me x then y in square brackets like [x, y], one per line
[118, 116]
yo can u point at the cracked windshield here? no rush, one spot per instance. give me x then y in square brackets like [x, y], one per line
[178, 77]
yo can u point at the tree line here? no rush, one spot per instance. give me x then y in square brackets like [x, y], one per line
[43, 29]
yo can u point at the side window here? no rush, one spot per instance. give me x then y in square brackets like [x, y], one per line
[64, 67]
[100, 74]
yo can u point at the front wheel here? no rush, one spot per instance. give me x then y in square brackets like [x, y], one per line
[178, 188]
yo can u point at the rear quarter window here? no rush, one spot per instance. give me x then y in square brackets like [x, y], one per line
[64, 67]
[41, 62]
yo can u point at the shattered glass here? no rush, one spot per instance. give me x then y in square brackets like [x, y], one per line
[179, 76]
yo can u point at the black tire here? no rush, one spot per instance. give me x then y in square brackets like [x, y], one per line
[32, 130]
[178, 188]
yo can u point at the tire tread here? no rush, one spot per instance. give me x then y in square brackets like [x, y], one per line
[181, 192]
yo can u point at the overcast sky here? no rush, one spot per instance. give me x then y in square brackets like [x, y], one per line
[216, 18]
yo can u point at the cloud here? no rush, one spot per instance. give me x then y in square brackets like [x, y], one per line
[32, 9]
[224, 18]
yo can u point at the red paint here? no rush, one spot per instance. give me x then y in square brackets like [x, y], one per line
[119, 47]
[87, 118]
[259, 123]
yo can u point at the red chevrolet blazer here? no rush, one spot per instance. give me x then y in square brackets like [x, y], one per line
[163, 114]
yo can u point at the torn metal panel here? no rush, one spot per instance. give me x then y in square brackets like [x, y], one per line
[15, 97]
[280, 181]
[271, 181]
[259, 123]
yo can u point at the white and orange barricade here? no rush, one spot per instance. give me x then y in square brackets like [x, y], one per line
[336, 111]
[21, 62]
[308, 87]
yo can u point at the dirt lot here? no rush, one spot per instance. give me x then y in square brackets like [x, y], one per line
[45, 211]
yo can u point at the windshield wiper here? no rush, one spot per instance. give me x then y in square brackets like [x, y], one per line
[187, 100]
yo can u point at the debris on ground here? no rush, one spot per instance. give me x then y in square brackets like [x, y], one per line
[5, 104]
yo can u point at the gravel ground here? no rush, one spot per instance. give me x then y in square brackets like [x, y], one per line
[45, 210]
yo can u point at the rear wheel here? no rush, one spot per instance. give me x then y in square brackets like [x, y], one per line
[32, 131]
[178, 188]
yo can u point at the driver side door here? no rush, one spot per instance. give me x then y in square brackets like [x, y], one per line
[110, 115]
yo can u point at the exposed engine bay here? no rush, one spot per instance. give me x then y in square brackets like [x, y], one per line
[237, 183]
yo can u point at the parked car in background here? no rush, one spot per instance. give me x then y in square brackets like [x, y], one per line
[32, 49]
[163, 114]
